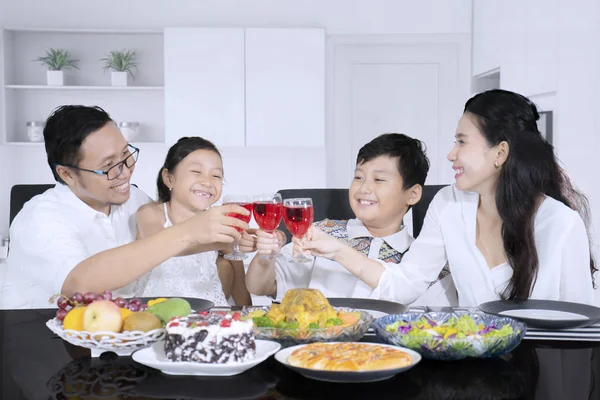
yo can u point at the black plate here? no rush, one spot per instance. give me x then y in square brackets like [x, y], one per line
[387, 307]
[196, 304]
[591, 314]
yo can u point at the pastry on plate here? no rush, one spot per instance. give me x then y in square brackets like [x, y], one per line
[350, 356]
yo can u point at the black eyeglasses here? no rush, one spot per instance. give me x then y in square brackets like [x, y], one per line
[116, 170]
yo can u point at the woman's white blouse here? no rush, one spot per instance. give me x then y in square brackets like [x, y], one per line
[448, 236]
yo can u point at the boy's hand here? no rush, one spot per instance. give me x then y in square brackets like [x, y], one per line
[269, 242]
[317, 243]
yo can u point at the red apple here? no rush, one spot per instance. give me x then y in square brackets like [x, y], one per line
[102, 315]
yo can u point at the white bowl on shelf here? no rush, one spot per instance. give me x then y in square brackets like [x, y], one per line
[130, 130]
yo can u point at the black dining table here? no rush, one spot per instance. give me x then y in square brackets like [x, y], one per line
[36, 364]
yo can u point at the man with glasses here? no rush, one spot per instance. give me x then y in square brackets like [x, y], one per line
[80, 235]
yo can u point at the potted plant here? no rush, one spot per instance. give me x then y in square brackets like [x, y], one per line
[57, 60]
[121, 63]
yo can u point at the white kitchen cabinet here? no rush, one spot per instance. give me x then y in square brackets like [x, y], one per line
[245, 87]
[285, 87]
[204, 84]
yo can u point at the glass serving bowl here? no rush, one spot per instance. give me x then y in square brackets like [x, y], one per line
[452, 348]
[293, 337]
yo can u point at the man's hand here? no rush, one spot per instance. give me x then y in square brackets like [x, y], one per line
[215, 225]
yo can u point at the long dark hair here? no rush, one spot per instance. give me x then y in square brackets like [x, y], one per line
[176, 154]
[530, 170]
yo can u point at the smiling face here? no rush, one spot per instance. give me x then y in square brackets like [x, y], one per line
[100, 151]
[473, 160]
[197, 181]
[377, 196]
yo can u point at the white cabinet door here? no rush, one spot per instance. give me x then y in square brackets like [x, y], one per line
[204, 84]
[285, 87]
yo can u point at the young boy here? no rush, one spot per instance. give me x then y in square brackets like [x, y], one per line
[350, 256]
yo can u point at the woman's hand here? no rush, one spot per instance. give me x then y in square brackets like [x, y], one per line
[317, 243]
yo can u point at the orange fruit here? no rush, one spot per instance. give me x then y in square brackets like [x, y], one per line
[74, 319]
[125, 312]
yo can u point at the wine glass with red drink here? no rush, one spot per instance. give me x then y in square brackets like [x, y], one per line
[268, 210]
[298, 215]
[246, 202]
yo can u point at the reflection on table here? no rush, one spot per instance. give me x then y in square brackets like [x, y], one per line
[36, 364]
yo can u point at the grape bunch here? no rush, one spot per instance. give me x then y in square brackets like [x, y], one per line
[81, 300]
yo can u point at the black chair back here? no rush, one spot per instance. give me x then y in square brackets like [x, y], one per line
[21, 194]
[420, 209]
[328, 203]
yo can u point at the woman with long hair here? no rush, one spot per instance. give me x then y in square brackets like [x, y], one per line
[511, 227]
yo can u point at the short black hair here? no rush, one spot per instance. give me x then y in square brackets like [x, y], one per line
[66, 128]
[180, 150]
[413, 164]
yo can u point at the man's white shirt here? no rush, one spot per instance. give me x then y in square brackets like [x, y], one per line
[53, 233]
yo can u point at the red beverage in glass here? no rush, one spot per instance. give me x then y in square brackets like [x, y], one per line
[298, 219]
[245, 218]
[268, 215]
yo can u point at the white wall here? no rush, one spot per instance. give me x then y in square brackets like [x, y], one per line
[337, 16]
[548, 51]
[249, 170]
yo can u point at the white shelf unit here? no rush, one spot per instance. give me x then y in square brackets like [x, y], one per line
[26, 97]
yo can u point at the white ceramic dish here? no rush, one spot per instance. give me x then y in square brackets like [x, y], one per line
[123, 344]
[348, 376]
[155, 357]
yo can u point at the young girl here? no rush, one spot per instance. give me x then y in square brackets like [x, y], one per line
[190, 181]
[512, 226]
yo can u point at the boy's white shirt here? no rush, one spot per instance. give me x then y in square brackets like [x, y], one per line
[334, 280]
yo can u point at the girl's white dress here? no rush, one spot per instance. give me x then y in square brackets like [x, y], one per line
[194, 275]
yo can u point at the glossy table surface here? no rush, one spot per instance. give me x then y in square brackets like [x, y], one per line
[36, 364]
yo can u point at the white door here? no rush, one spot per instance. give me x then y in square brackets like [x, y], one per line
[415, 88]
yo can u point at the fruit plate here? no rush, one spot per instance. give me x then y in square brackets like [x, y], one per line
[293, 337]
[155, 357]
[123, 344]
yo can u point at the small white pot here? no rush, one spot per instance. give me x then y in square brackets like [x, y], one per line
[118, 78]
[55, 78]
[130, 130]
[35, 131]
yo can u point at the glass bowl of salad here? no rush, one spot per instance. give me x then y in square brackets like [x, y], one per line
[349, 326]
[451, 336]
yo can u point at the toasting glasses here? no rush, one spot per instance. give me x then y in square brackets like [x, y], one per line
[268, 211]
[298, 215]
[246, 202]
